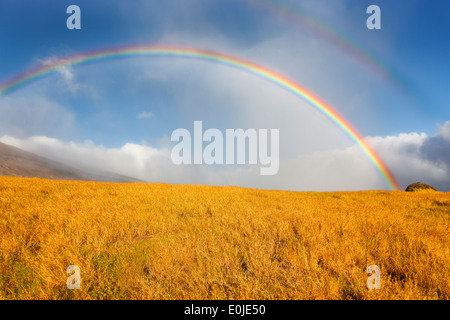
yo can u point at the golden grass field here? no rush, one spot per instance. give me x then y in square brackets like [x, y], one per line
[158, 241]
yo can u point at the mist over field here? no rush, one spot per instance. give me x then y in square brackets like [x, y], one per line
[413, 157]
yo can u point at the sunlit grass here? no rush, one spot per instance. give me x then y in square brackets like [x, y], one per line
[158, 241]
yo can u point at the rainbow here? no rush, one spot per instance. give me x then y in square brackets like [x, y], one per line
[338, 39]
[214, 57]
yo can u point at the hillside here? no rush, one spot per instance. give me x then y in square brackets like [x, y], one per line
[19, 163]
[159, 241]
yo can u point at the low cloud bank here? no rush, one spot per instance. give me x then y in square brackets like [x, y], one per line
[410, 156]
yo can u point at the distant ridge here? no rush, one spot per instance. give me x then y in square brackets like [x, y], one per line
[19, 163]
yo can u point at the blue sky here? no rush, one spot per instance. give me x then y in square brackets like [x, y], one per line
[98, 106]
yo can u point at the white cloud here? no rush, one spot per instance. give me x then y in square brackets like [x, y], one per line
[145, 115]
[66, 73]
[67, 80]
[406, 155]
[346, 169]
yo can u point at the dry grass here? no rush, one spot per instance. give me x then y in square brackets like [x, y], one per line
[157, 241]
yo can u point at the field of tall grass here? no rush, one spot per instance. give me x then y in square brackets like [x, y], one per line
[159, 241]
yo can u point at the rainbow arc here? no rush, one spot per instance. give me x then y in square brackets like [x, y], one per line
[213, 57]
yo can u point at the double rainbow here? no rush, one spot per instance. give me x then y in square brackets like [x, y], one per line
[214, 57]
